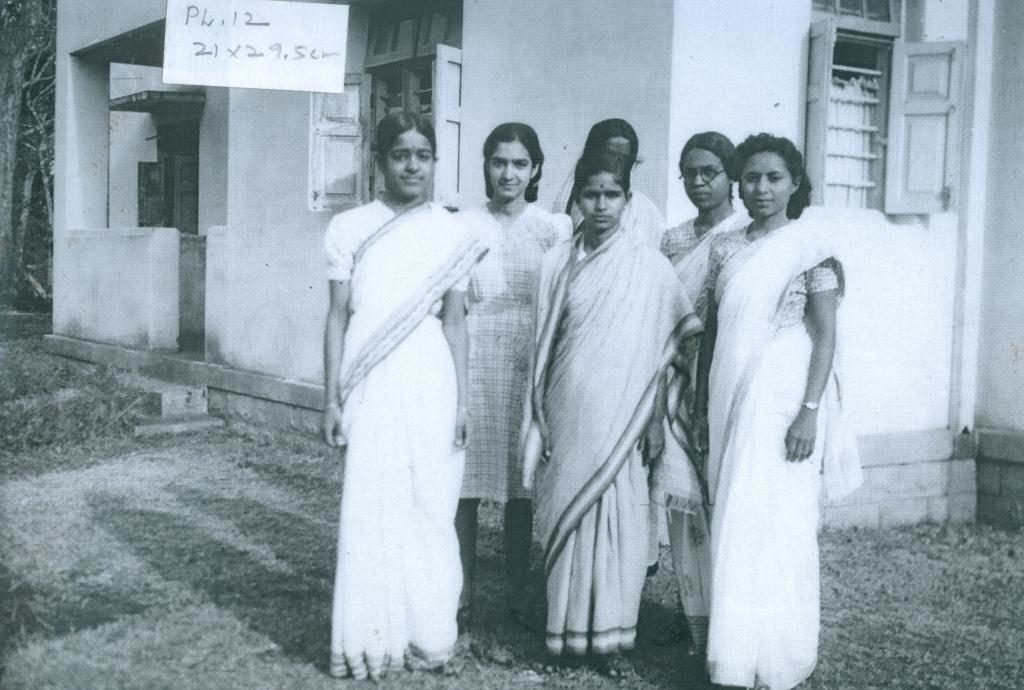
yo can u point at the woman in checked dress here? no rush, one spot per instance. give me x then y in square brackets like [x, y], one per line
[517, 234]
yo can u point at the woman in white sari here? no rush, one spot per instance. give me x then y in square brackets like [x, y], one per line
[395, 351]
[775, 420]
[706, 168]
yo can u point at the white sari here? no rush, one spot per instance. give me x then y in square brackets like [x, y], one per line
[764, 549]
[398, 573]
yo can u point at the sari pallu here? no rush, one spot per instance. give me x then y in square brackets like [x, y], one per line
[679, 479]
[764, 596]
[401, 473]
[608, 327]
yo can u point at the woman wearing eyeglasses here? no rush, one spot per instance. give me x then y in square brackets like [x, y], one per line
[706, 168]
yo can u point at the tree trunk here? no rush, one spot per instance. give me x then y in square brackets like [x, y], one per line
[25, 27]
[10, 107]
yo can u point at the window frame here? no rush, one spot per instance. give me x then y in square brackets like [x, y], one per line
[845, 22]
[884, 47]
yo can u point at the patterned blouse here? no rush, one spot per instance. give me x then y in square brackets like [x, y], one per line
[823, 277]
[677, 242]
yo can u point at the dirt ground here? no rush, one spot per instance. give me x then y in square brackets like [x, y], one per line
[207, 562]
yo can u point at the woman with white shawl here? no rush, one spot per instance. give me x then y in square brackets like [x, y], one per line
[706, 168]
[395, 363]
[775, 422]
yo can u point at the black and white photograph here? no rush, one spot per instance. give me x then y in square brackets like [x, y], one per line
[500, 344]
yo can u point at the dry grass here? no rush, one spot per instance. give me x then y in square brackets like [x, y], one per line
[207, 562]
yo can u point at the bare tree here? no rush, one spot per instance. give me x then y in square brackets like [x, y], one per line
[26, 31]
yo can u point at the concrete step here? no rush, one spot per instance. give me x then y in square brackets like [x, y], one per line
[181, 424]
[166, 399]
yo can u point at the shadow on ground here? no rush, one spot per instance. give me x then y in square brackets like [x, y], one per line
[290, 604]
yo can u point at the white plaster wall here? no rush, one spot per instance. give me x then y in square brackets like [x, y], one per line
[266, 300]
[259, 140]
[946, 20]
[1001, 351]
[560, 67]
[897, 319]
[118, 287]
[268, 160]
[738, 67]
[131, 142]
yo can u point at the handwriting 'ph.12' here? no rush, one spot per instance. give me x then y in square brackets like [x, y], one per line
[193, 17]
[274, 51]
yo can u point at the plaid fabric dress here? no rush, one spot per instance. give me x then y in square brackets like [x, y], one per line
[501, 297]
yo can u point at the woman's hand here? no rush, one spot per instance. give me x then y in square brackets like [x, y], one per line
[801, 435]
[333, 434]
[534, 453]
[700, 432]
[652, 443]
[461, 435]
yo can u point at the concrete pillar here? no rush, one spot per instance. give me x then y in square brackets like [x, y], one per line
[82, 144]
[81, 160]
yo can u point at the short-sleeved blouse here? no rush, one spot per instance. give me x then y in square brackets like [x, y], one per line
[349, 230]
[821, 278]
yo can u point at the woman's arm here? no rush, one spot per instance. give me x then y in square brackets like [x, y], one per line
[701, 389]
[334, 343]
[821, 325]
[453, 323]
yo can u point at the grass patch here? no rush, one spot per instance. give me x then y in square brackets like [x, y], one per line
[208, 562]
[47, 400]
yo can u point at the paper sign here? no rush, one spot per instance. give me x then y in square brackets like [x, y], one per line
[260, 44]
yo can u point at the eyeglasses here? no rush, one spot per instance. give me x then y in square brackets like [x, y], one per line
[706, 174]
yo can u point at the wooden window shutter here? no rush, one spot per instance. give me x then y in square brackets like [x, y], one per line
[819, 82]
[447, 110]
[336, 170]
[922, 166]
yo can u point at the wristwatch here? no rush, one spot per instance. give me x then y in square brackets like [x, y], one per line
[812, 406]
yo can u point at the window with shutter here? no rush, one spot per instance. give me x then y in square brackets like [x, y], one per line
[336, 148]
[883, 115]
[447, 111]
[431, 87]
[847, 97]
[923, 163]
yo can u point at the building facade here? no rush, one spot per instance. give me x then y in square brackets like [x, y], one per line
[189, 220]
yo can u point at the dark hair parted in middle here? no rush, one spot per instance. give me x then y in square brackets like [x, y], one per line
[716, 143]
[597, 139]
[393, 125]
[515, 131]
[597, 161]
[790, 155]
[613, 127]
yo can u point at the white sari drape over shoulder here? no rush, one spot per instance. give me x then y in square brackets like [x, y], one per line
[398, 572]
[765, 599]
